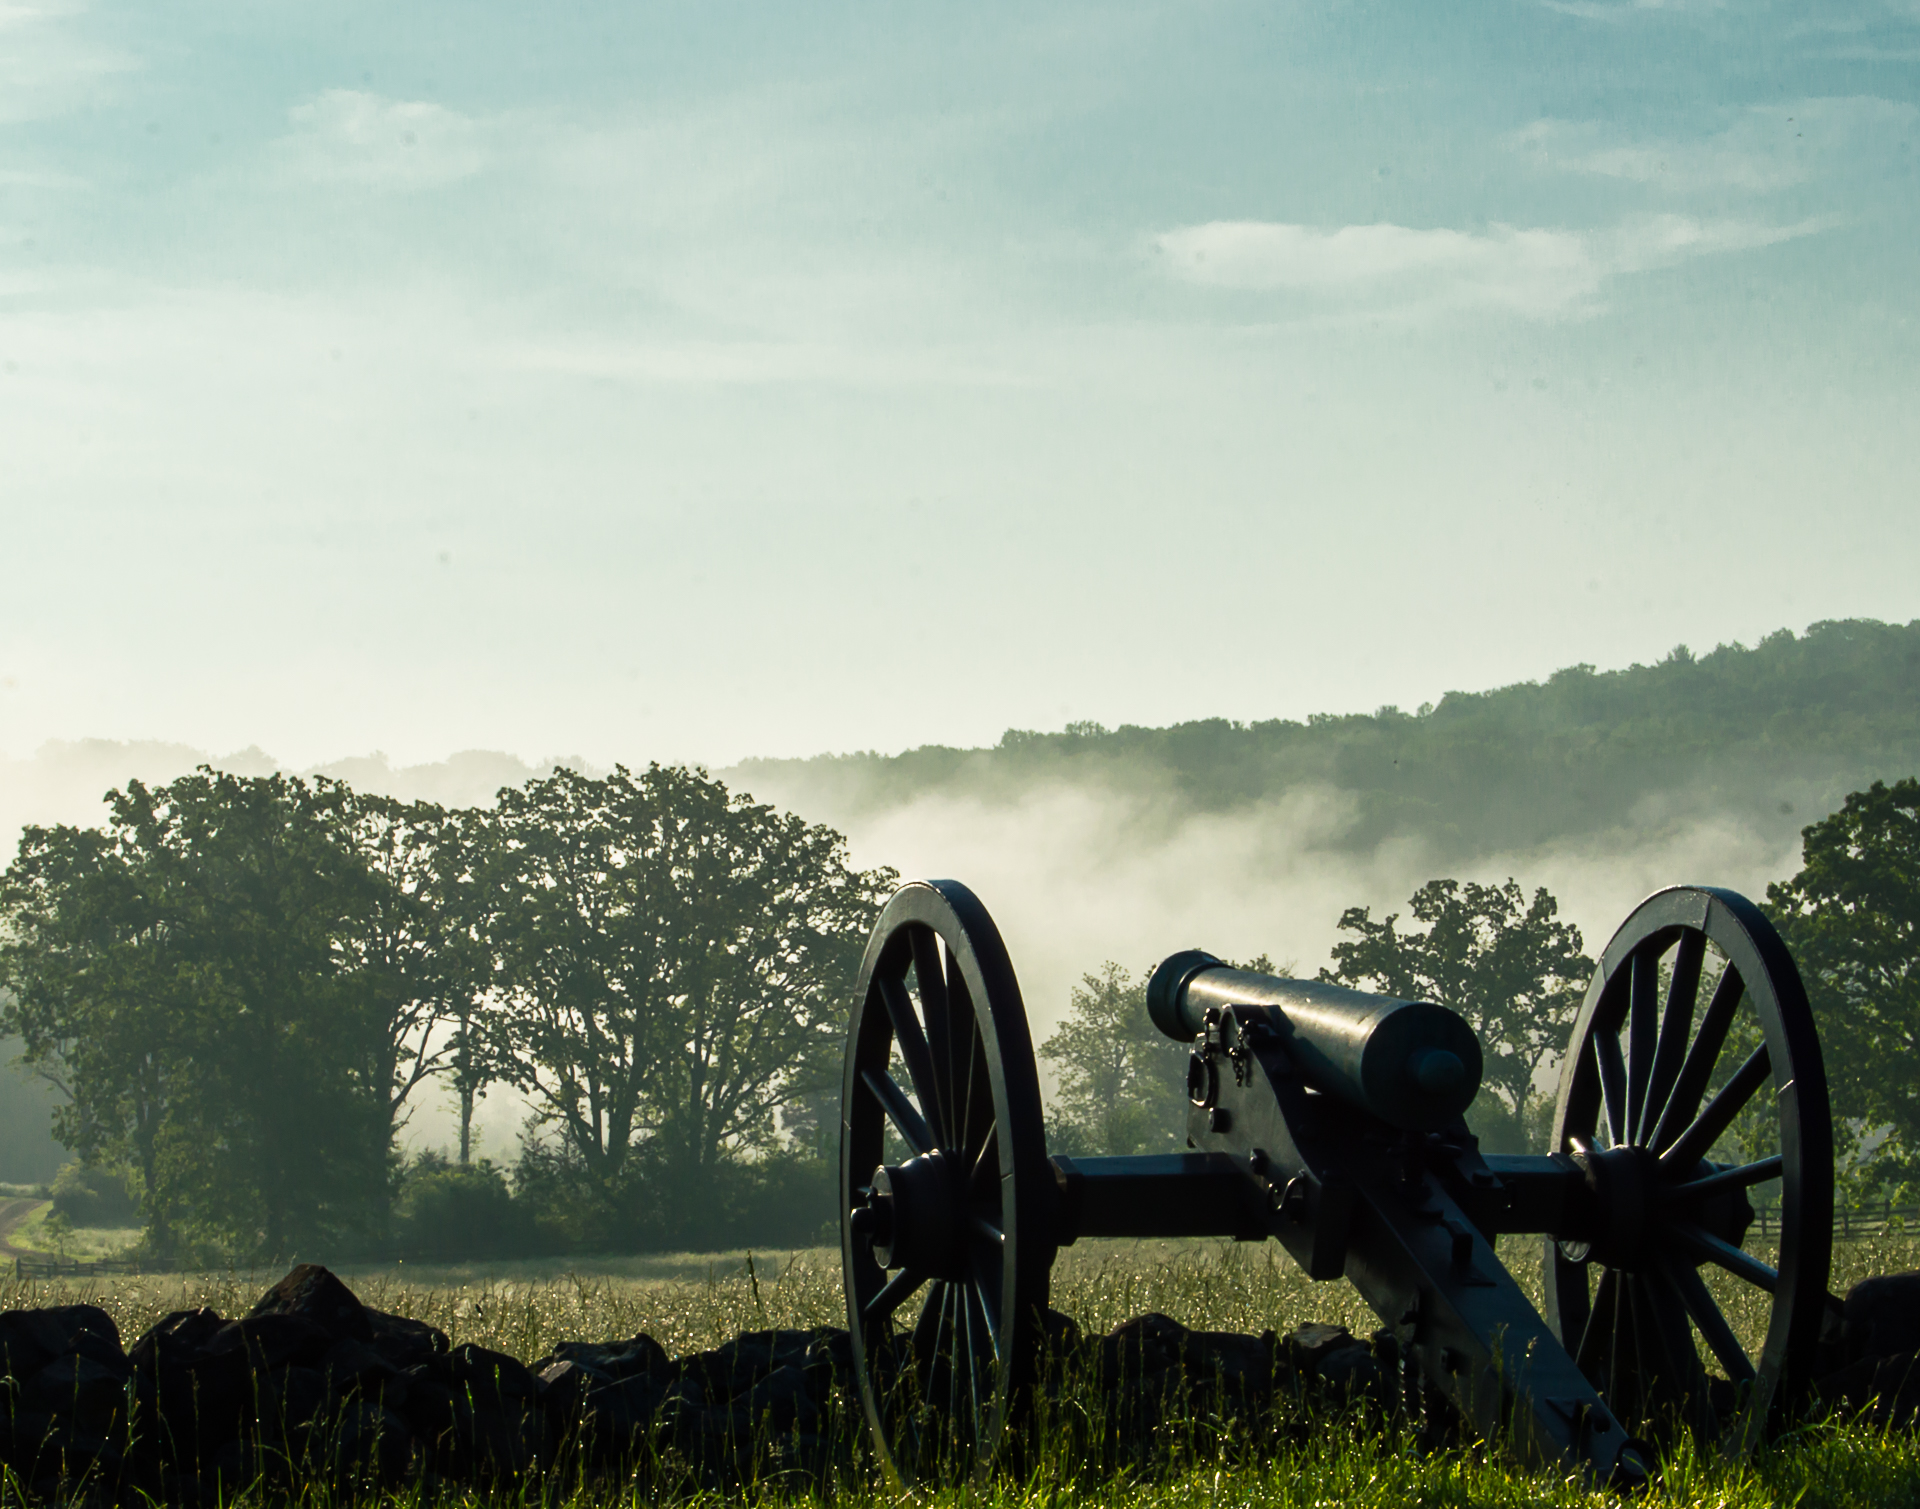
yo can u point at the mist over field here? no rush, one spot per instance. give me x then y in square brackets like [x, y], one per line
[1092, 844]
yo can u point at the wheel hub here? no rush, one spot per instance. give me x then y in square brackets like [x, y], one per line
[1629, 1207]
[915, 1214]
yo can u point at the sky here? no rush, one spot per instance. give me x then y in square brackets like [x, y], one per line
[714, 380]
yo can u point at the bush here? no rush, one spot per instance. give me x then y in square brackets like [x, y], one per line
[95, 1197]
[447, 1212]
[785, 1200]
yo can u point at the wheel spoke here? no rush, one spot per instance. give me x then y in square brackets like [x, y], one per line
[1599, 1322]
[926, 1339]
[1714, 1330]
[932, 983]
[979, 1092]
[1681, 1378]
[891, 1295]
[984, 1179]
[899, 1109]
[1724, 1254]
[1697, 1072]
[1613, 1084]
[1623, 1362]
[953, 1328]
[1676, 1026]
[1746, 1175]
[989, 1307]
[1643, 1025]
[911, 1042]
[973, 1360]
[1693, 1144]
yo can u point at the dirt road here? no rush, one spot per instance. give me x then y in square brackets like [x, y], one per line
[12, 1213]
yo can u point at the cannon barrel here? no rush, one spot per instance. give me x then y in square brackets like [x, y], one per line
[1414, 1064]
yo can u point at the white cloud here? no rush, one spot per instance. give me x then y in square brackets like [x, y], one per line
[350, 136]
[1539, 273]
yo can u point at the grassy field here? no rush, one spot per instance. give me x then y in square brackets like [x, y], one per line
[84, 1242]
[690, 1302]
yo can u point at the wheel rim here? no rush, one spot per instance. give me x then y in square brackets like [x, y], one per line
[940, 1060]
[1685, 1104]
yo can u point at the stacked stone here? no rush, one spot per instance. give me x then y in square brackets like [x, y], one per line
[1871, 1351]
[313, 1386]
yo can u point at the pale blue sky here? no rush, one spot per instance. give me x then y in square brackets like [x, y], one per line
[713, 380]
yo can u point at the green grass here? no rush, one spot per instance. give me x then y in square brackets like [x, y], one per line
[84, 1242]
[689, 1303]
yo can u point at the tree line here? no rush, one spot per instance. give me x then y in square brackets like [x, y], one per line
[244, 986]
[1767, 735]
[1517, 972]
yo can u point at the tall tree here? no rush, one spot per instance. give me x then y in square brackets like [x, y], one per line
[1122, 1082]
[415, 970]
[672, 964]
[1504, 962]
[190, 970]
[1852, 918]
[93, 970]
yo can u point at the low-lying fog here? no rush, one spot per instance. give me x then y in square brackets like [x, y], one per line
[1073, 874]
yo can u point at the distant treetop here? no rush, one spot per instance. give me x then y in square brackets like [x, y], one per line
[1775, 735]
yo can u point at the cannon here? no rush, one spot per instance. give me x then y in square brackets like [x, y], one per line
[1332, 1121]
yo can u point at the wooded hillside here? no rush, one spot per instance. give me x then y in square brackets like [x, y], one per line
[1774, 735]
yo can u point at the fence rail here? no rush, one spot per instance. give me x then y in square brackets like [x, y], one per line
[66, 1267]
[1875, 1219]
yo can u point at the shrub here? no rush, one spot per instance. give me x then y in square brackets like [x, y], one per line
[448, 1212]
[94, 1197]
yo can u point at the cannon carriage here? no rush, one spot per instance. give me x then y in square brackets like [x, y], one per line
[1333, 1122]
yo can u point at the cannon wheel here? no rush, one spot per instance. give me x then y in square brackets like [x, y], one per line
[1674, 1084]
[938, 1052]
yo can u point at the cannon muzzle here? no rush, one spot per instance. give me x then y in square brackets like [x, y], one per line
[1411, 1063]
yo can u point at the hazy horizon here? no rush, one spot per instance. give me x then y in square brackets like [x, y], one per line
[729, 380]
[708, 382]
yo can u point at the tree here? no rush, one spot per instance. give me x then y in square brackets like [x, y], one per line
[672, 962]
[93, 970]
[1503, 962]
[416, 968]
[1852, 919]
[190, 973]
[1122, 1081]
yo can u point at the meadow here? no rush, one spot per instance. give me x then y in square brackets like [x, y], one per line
[689, 1302]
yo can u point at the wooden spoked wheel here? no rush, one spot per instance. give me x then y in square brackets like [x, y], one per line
[1694, 1095]
[944, 1187]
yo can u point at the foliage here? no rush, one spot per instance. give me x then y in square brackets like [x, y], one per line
[94, 1197]
[181, 968]
[450, 1210]
[1852, 918]
[1788, 725]
[672, 963]
[1122, 1082]
[1503, 962]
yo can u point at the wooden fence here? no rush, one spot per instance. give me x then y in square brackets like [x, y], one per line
[66, 1267]
[1874, 1219]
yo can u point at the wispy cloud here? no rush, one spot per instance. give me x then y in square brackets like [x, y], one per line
[1621, 10]
[1537, 273]
[353, 137]
[47, 67]
[1762, 150]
